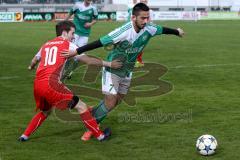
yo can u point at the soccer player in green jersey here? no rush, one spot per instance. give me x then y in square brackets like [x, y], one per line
[85, 16]
[127, 43]
[130, 8]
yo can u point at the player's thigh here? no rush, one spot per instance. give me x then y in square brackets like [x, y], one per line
[59, 96]
[39, 96]
[110, 83]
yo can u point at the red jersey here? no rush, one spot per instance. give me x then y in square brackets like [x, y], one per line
[51, 63]
[49, 91]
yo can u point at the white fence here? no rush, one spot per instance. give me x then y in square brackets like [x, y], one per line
[121, 16]
[185, 15]
[206, 3]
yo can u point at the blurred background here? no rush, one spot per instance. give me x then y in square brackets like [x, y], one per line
[213, 5]
[203, 68]
[117, 9]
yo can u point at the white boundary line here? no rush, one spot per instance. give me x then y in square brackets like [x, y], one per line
[204, 66]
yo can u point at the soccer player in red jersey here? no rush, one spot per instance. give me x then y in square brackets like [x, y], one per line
[50, 92]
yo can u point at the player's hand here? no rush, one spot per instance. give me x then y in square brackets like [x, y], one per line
[181, 32]
[30, 68]
[68, 54]
[115, 64]
[87, 25]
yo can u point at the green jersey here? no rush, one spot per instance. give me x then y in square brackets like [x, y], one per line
[82, 15]
[126, 44]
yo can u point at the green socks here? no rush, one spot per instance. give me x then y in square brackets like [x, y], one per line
[100, 112]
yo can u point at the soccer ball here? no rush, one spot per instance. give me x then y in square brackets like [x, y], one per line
[206, 145]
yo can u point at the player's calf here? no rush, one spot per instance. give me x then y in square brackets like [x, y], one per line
[36, 122]
[87, 119]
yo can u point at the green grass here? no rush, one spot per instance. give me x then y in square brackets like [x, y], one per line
[203, 68]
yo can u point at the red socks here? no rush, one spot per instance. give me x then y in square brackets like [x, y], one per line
[35, 123]
[139, 58]
[87, 119]
[91, 123]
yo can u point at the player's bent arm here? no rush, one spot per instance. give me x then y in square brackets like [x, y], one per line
[89, 60]
[71, 12]
[94, 16]
[34, 62]
[94, 21]
[90, 24]
[68, 16]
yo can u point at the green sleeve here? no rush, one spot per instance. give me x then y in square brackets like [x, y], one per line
[159, 30]
[116, 35]
[105, 40]
[154, 29]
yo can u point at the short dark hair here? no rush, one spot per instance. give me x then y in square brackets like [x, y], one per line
[64, 26]
[139, 7]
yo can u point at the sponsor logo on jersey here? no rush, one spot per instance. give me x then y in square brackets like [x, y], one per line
[83, 17]
[134, 50]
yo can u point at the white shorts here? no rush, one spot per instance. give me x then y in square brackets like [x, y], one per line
[113, 84]
[80, 40]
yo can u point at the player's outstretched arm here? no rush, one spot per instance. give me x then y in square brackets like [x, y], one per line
[34, 62]
[178, 32]
[80, 50]
[89, 60]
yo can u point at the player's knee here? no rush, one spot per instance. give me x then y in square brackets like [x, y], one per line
[72, 104]
[78, 104]
[47, 113]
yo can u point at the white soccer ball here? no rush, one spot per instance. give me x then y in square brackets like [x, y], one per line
[206, 145]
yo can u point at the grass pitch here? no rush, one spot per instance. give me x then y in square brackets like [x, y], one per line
[203, 68]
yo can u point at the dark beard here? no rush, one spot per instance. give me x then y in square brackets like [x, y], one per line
[140, 28]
